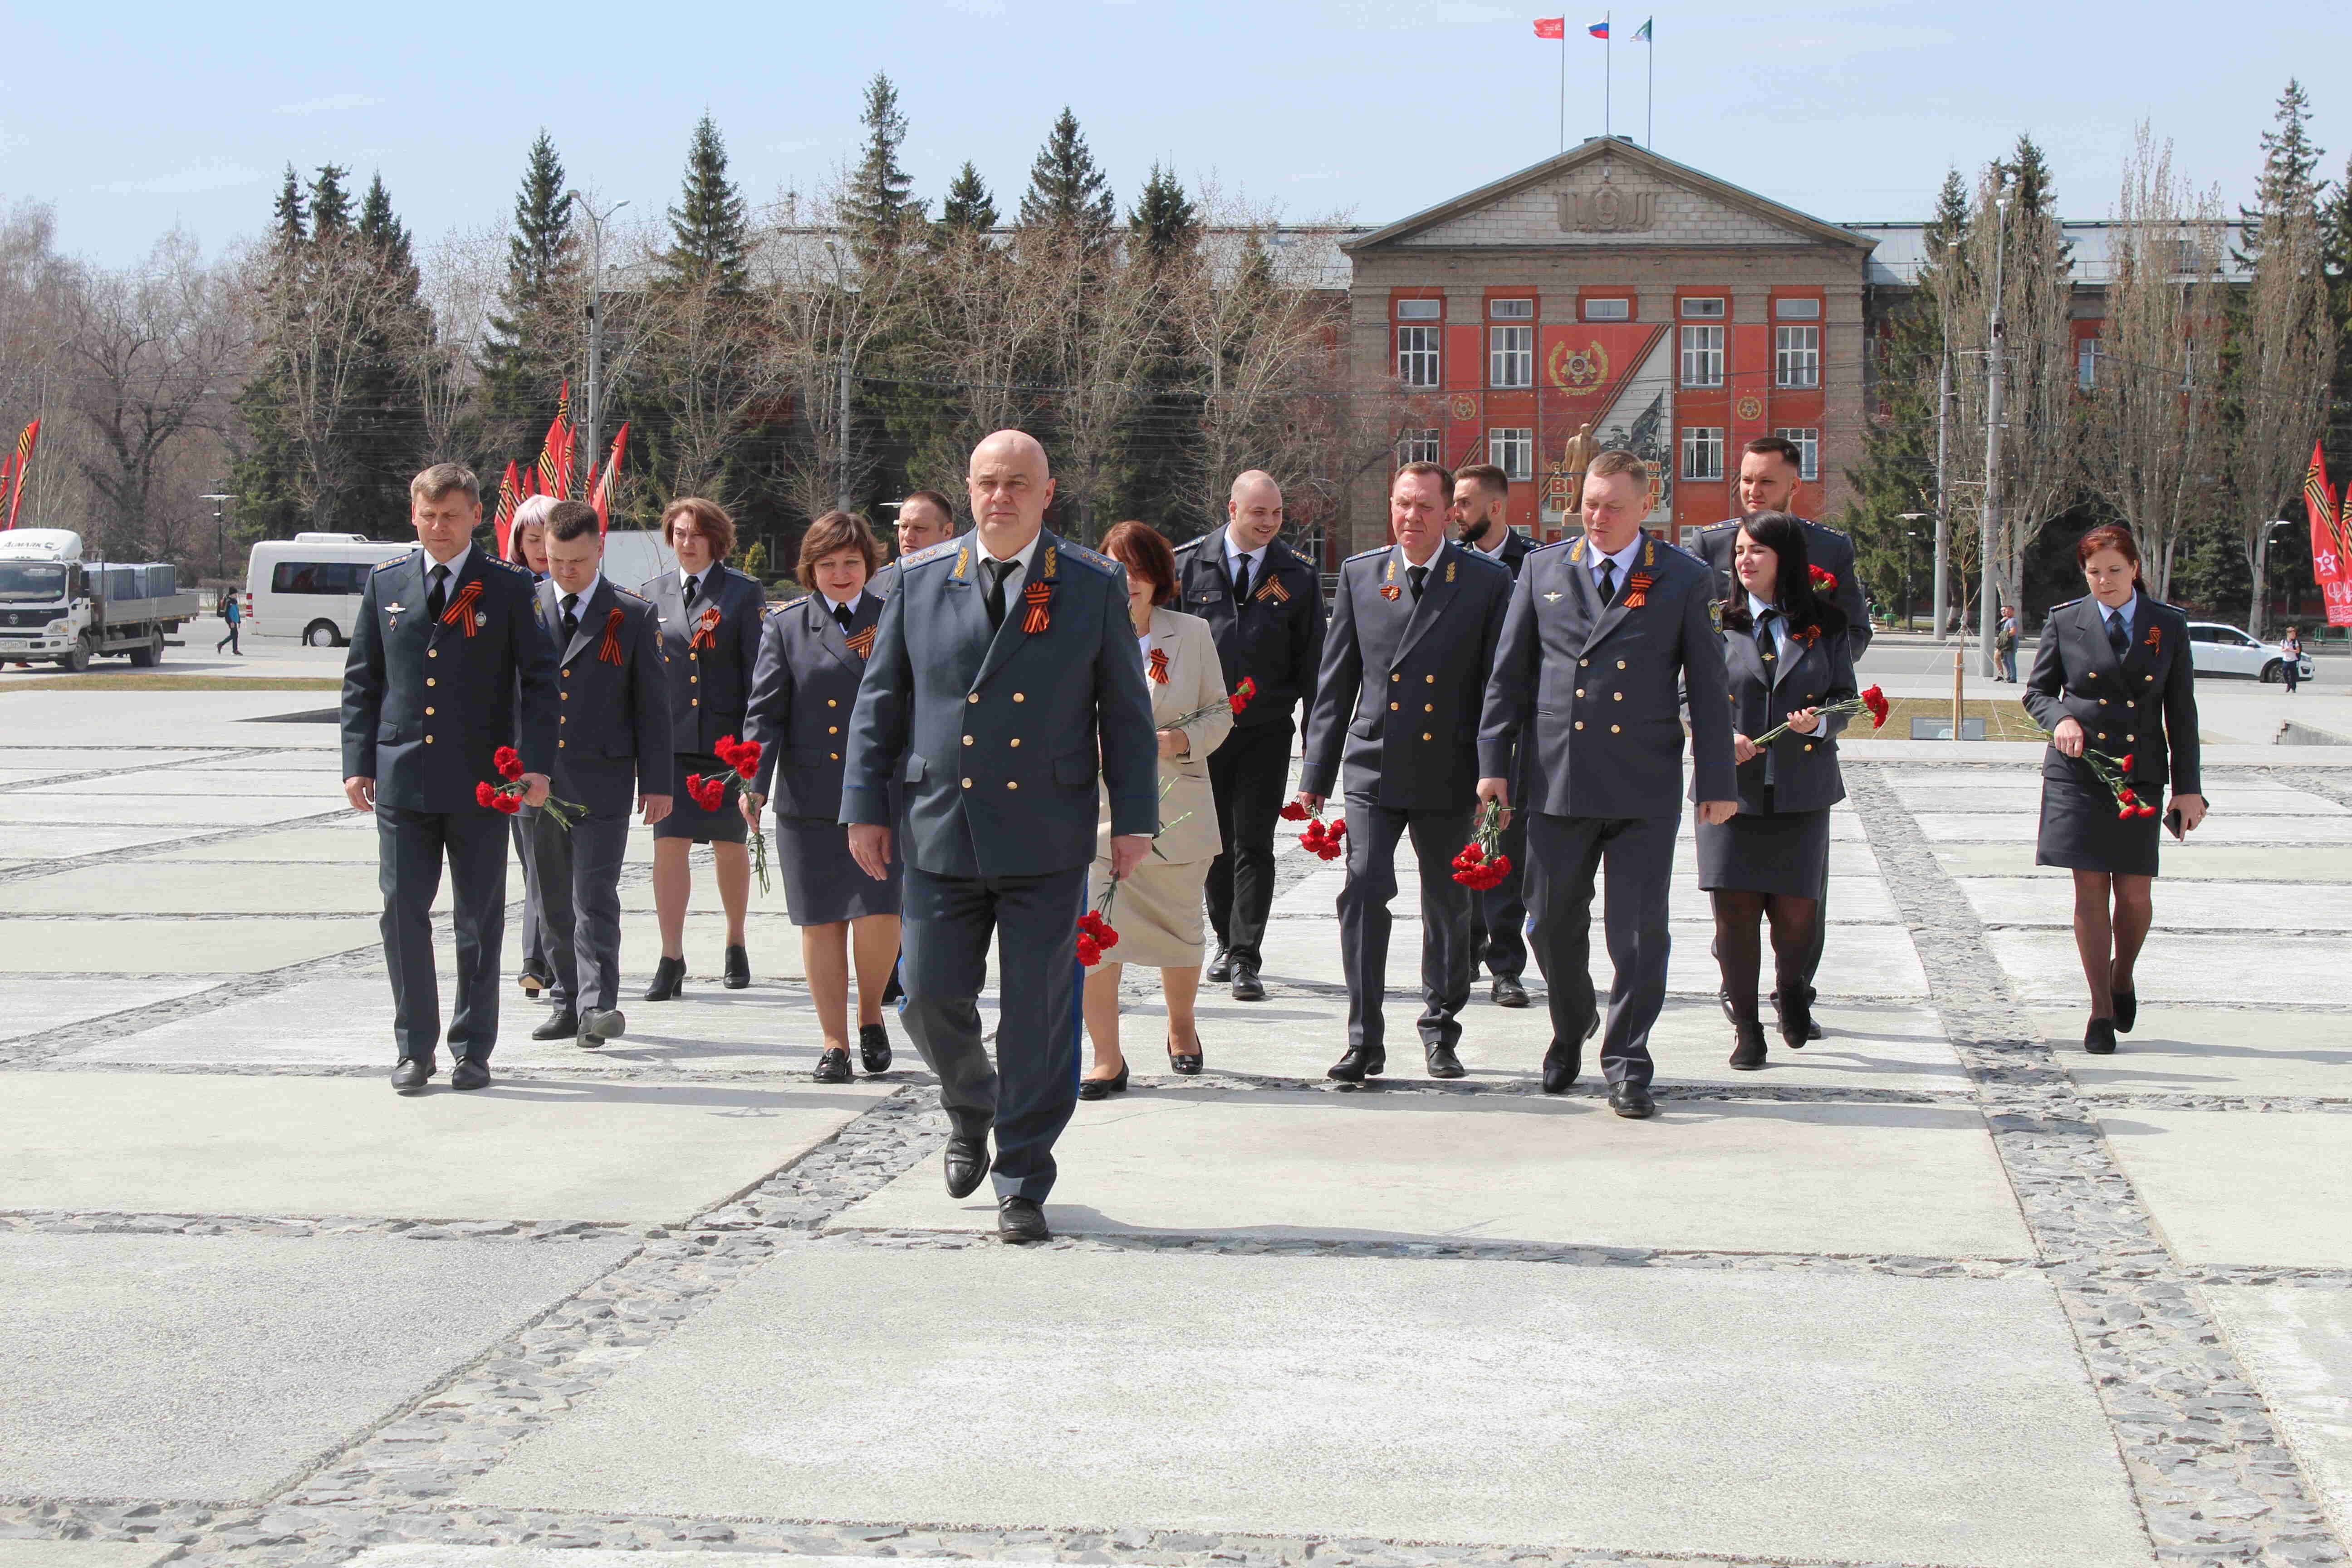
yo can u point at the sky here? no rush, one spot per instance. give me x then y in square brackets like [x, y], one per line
[1366, 109]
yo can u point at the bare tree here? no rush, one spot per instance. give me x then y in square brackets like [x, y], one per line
[461, 279]
[979, 326]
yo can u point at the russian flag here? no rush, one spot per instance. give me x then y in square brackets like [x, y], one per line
[1599, 29]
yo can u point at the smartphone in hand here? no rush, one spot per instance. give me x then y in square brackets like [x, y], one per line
[2172, 821]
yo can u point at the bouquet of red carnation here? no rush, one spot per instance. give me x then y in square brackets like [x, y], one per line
[1243, 693]
[1481, 864]
[1873, 701]
[1823, 581]
[739, 763]
[507, 798]
[1324, 840]
[1096, 935]
[1235, 703]
[2115, 773]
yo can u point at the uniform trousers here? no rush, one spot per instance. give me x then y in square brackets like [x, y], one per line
[534, 946]
[410, 846]
[1498, 915]
[576, 889]
[1365, 923]
[1248, 776]
[1564, 855]
[1028, 1093]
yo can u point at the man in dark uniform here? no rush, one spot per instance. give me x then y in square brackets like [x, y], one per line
[1004, 681]
[612, 750]
[1604, 633]
[1413, 630]
[1770, 470]
[446, 665]
[1265, 608]
[925, 518]
[1498, 915]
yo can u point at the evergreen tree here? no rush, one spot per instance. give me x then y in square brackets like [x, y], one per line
[2335, 242]
[1165, 223]
[530, 338]
[711, 242]
[386, 427]
[878, 212]
[1163, 239]
[2289, 160]
[967, 208]
[330, 204]
[262, 473]
[1067, 193]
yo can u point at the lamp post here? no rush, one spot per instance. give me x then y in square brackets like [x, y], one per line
[1910, 533]
[1996, 390]
[220, 522]
[595, 422]
[2262, 588]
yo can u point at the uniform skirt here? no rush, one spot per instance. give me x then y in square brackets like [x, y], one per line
[2081, 831]
[1157, 913]
[822, 883]
[689, 821]
[1783, 852]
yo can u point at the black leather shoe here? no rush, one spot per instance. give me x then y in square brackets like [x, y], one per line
[1183, 1064]
[411, 1076]
[669, 981]
[1560, 1066]
[2099, 1039]
[967, 1166]
[469, 1074]
[1797, 1023]
[1730, 1014]
[560, 1026]
[1020, 1221]
[596, 1027]
[1812, 1024]
[1631, 1101]
[1221, 968]
[874, 1047]
[1443, 1062]
[1358, 1065]
[833, 1066]
[1747, 1044]
[1508, 993]
[739, 969]
[1103, 1087]
[1247, 987]
[533, 985]
[2126, 1011]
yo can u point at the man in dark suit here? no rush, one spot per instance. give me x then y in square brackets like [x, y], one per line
[1395, 724]
[612, 750]
[1498, 915]
[925, 518]
[1265, 608]
[446, 665]
[1604, 631]
[1004, 683]
[1770, 470]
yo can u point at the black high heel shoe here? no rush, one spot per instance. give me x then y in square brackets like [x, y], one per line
[739, 969]
[1103, 1087]
[2099, 1039]
[669, 981]
[2126, 1005]
[1185, 1064]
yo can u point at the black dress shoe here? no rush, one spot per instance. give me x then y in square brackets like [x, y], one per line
[1560, 1066]
[1443, 1062]
[560, 1026]
[1221, 968]
[2126, 1005]
[1730, 1013]
[1020, 1221]
[1631, 1101]
[1358, 1065]
[596, 1027]
[533, 985]
[1185, 1063]
[2099, 1039]
[1812, 1029]
[1246, 985]
[1508, 993]
[833, 1066]
[411, 1076]
[469, 1074]
[1103, 1087]
[874, 1047]
[1747, 1044]
[669, 981]
[967, 1166]
[739, 969]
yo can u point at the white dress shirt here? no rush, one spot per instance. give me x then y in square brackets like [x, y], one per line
[1757, 610]
[1233, 558]
[1014, 578]
[2121, 613]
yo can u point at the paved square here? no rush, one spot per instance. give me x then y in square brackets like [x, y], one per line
[2187, 1050]
[31, 1005]
[2297, 1342]
[81, 1553]
[163, 946]
[2182, 966]
[2288, 1198]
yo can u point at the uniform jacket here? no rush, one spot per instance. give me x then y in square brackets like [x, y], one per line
[2143, 707]
[425, 707]
[1274, 639]
[1000, 737]
[1517, 548]
[1397, 700]
[1188, 675]
[613, 722]
[801, 700]
[710, 687]
[1590, 693]
[1802, 771]
[1826, 548]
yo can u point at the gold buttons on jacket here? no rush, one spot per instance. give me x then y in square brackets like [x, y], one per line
[1616, 697]
[1431, 678]
[1012, 784]
[967, 783]
[967, 739]
[428, 740]
[1620, 664]
[1582, 662]
[1809, 745]
[1014, 742]
[831, 703]
[559, 745]
[1580, 691]
[1394, 676]
[429, 681]
[694, 680]
[433, 653]
[567, 675]
[563, 697]
[2103, 703]
[1018, 696]
[1612, 729]
[833, 728]
[1393, 707]
[1580, 724]
[428, 712]
[2131, 737]
[561, 720]
[1429, 707]
[1425, 735]
[834, 755]
[973, 698]
[2102, 734]
[694, 702]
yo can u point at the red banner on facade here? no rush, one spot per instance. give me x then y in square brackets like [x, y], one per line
[2331, 541]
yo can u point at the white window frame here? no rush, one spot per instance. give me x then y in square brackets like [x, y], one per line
[1702, 446]
[1609, 309]
[1796, 356]
[1512, 448]
[2086, 364]
[1808, 442]
[1420, 310]
[1425, 444]
[1795, 309]
[1420, 355]
[1512, 309]
[1511, 357]
[1703, 356]
[1707, 310]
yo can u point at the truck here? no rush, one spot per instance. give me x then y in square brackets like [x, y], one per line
[55, 605]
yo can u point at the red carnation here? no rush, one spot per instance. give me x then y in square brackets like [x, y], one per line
[2143, 809]
[484, 796]
[2126, 797]
[2123, 761]
[507, 762]
[1089, 953]
[508, 804]
[1294, 812]
[1243, 693]
[1875, 701]
[1825, 581]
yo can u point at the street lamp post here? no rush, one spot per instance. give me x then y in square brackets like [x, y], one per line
[593, 424]
[1910, 534]
[2262, 588]
[220, 522]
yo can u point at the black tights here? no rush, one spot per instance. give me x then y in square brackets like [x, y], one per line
[2109, 942]
[1738, 942]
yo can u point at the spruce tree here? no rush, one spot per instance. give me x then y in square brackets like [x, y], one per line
[2336, 241]
[386, 427]
[1165, 223]
[1163, 240]
[2289, 160]
[710, 230]
[1067, 193]
[262, 473]
[968, 207]
[530, 337]
[878, 212]
[330, 204]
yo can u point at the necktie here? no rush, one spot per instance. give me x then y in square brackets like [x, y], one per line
[571, 617]
[437, 598]
[693, 586]
[1608, 584]
[1764, 643]
[2118, 637]
[997, 571]
[1420, 576]
[1241, 578]
[842, 617]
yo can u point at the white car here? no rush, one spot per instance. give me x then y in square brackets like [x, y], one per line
[2217, 649]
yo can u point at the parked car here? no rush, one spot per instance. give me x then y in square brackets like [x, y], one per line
[2217, 649]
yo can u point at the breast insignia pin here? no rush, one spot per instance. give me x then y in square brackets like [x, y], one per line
[1551, 598]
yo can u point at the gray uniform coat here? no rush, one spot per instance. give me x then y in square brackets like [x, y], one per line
[1825, 547]
[710, 685]
[1801, 770]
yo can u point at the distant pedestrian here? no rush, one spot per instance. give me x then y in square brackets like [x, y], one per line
[2291, 666]
[2004, 642]
[234, 614]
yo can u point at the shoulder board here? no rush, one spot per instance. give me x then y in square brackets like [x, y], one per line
[788, 604]
[1195, 542]
[1824, 528]
[2055, 608]
[1484, 559]
[1367, 555]
[397, 560]
[1555, 544]
[628, 600]
[505, 564]
[943, 549]
[1080, 553]
[1719, 527]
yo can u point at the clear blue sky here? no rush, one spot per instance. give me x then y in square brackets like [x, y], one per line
[157, 113]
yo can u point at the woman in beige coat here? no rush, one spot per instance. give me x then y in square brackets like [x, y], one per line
[1157, 911]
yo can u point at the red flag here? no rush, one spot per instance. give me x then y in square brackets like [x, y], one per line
[7, 471]
[20, 467]
[2331, 541]
[502, 521]
[600, 484]
[1551, 26]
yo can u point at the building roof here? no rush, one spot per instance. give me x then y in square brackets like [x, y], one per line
[1903, 251]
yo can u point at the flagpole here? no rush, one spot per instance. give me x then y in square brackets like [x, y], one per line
[1563, 85]
[1650, 93]
[1608, 76]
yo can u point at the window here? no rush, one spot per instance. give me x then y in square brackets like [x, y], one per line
[1702, 356]
[1797, 310]
[1510, 356]
[1703, 309]
[1703, 452]
[1609, 309]
[1420, 309]
[1513, 451]
[320, 577]
[1417, 354]
[2086, 364]
[1512, 309]
[1796, 356]
[1418, 446]
[1808, 451]
[2202, 634]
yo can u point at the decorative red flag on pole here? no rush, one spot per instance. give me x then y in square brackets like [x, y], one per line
[1551, 26]
[7, 472]
[20, 468]
[502, 521]
[2331, 540]
[600, 483]
[555, 452]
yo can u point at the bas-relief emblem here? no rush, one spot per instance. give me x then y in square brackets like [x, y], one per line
[1608, 210]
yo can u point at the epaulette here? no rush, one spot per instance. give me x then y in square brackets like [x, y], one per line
[2055, 608]
[929, 553]
[1825, 527]
[1555, 544]
[628, 598]
[1719, 527]
[1482, 557]
[1195, 542]
[1367, 555]
[502, 561]
[788, 604]
[396, 561]
[1080, 553]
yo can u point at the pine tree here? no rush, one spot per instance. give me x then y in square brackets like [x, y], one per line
[387, 431]
[331, 206]
[1067, 193]
[262, 472]
[2289, 160]
[1165, 223]
[1164, 239]
[530, 338]
[969, 208]
[2335, 240]
[878, 212]
[709, 229]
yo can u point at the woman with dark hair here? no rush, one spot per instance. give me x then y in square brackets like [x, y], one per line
[1157, 911]
[813, 654]
[2113, 678]
[1784, 645]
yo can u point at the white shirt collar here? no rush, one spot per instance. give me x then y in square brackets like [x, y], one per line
[1757, 609]
[684, 576]
[1623, 557]
[457, 564]
[586, 594]
[1405, 562]
[850, 604]
[2122, 612]
[1234, 551]
[1021, 555]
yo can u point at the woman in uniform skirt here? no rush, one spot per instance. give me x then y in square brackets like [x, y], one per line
[2112, 676]
[812, 653]
[527, 548]
[1784, 644]
[1157, 911]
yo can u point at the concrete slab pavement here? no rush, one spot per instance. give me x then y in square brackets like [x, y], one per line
[83, 1554]
[2216, 906]
[2184, 967]
[2297, 1342]
[2287, 1201]
[2236, 1051]
[106, 945]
